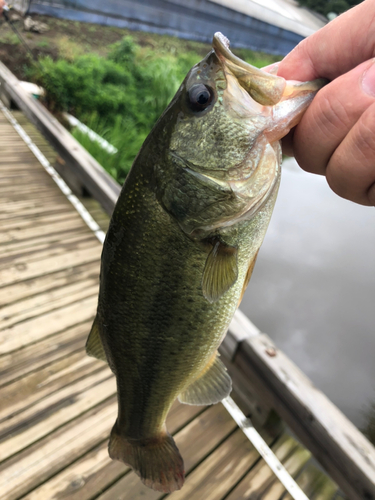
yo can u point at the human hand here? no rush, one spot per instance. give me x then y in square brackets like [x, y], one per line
[2, 4]
[336, 136]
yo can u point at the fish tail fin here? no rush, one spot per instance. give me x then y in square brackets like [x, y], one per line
[156, 460]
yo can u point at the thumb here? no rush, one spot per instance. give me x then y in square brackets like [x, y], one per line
[336, 135]
[340, 46]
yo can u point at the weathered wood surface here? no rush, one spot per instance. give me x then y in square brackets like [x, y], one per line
[335, 442]
[57, 404]
[85, 167]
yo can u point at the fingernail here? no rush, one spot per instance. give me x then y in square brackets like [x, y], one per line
[271, 68]
[368, 80]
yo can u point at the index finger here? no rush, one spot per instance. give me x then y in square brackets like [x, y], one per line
[335, 49]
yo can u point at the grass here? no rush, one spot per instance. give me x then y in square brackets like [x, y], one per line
[8, 37]
[122, 135]
[69, 49]
[42, 44]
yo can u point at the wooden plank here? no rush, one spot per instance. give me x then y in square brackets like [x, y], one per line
[220, 472]
[63, 247]
[258, 480]
[18, 177]
[43, 303]
[23, 289]
[31, 270]
[293, 465]
[12, 202]
[21, 394]
[26, 195]
[35, 329]
[338, 445]
[24, 156]
[34, 204]
[39, 244]
[26, 184]
[46, 230]
[327, 491]
[310, 479]
[88, 171]
[32, 211]
[20, 169]
[29, 190]
[18, 364]
[42, 460]
[17, 147]
[36, 221]
[95, 471]
[246, 393]
[83, 240]
[54, 411]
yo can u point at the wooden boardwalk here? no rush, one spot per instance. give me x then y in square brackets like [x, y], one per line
[57, 405]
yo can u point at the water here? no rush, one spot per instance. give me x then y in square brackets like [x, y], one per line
[313, 288]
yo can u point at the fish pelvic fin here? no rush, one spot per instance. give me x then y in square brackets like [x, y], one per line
[211, 386]
[220, 272]
[94, 346]
[156, 460]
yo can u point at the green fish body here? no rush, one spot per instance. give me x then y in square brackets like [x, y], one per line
[181, 246]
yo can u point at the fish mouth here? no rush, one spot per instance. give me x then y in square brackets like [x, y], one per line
[264, 88]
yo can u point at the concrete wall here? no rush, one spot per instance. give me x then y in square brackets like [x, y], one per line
[191, 19]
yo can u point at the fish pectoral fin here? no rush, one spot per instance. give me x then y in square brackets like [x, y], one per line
[220, 271]
[94, 346]
[212, 385]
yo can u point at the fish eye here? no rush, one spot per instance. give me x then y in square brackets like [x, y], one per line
[200, 97]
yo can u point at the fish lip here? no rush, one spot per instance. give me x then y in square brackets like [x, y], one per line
[264, 88]
[220, 44]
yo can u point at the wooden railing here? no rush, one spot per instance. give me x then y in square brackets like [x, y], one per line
[274, 380]
[263, 376]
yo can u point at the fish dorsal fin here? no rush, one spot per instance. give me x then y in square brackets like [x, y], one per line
[211, 386]
[220, 271]
[94, 346]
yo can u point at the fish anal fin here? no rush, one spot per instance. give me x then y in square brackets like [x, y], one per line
[248, 276]
[220, 271]
[94, 346]
[211, 386]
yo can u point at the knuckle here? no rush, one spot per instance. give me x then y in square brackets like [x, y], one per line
[365, 135]
[351, 169]
[333, 116]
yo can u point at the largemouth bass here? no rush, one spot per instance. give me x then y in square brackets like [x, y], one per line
[181, 247]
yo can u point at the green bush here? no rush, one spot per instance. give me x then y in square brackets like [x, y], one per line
[326, 6]
[122, 135]
[123, 51]
[120, 97]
